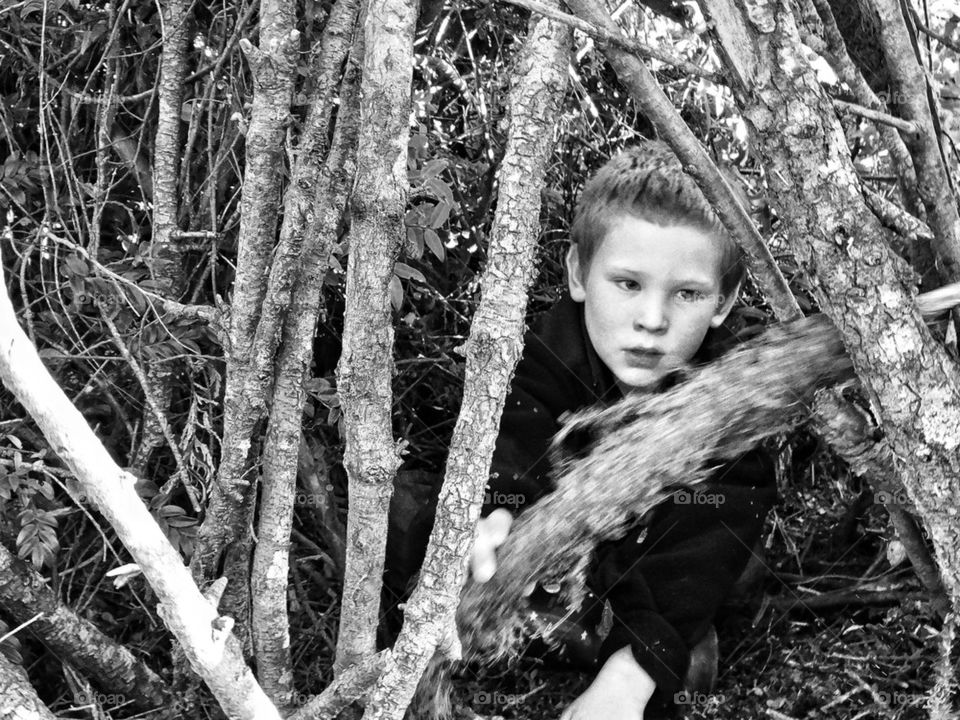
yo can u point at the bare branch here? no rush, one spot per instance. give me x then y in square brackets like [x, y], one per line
[216, 656]
[878, 117]
[365, 370]
[493, 349]
[25, 595]
[916, 102]
[270, 572]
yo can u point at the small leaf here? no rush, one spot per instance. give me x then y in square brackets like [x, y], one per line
[408, 273]
[435, 244]
[396, 293]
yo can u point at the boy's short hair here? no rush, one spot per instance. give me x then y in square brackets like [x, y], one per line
[648, 182]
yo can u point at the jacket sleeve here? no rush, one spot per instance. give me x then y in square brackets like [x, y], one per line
[543, 389]
[666, 580]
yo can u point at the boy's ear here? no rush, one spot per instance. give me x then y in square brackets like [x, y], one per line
[724, 306]
[574, 276]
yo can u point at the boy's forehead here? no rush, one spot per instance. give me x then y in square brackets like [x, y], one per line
[632, 243]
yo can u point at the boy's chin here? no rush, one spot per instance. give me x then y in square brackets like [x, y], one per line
[637, 380]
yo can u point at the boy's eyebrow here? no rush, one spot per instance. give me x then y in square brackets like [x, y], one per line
[688, 280]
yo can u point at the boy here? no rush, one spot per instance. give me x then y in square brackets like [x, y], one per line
[652, 276]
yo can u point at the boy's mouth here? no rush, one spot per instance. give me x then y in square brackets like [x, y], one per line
[643, 357]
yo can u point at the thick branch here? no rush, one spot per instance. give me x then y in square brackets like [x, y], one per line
[213, 653]
[18, 699]
[917, 105]
[909, 379]
[230, 513]
[493, 349]
[164, 260]
[365, 370]
[662, 442]
[283, 440]
[24, 595]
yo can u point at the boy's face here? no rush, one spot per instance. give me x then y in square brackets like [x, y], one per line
[650, 294]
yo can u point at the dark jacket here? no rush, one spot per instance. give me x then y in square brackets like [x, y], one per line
[665, 586]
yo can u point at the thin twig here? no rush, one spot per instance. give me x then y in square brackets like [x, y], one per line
[181, 473]
[210, 315]
[942, 39]
[880, 117]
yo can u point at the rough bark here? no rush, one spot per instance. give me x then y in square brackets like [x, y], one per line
[24, 594]
[910, 381]
[165, 260]
[665, 442]
[852, 77]
[916, 103]
[637, 79]
[348, 687]
[18, 699]
[205, 637]
[229, 514]
[226, 528]
[271, 632]
[492, 351]
[364, 373]
[852, 436]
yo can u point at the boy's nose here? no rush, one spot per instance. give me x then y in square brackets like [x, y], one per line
[651, 315]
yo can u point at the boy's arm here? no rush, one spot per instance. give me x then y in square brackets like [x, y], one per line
[665, 586]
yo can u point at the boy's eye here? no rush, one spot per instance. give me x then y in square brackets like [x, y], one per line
[690, 295]
[628, 284]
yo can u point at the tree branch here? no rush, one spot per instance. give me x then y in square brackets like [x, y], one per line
[365, 370]
[907, 376]
[213, 653]
[916, 103]
[24, 594]
[667, 441]
[492, 351]
[230, 511]
[269, 576]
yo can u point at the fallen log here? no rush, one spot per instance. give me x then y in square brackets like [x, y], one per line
[665, 442]
[717, 413]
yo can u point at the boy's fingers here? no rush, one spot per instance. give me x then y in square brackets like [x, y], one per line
[498, 526]
[484, 564]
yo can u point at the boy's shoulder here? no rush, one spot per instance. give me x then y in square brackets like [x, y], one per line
[558, 355]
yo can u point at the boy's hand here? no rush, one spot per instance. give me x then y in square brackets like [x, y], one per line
[491, 533]
[620, 691]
